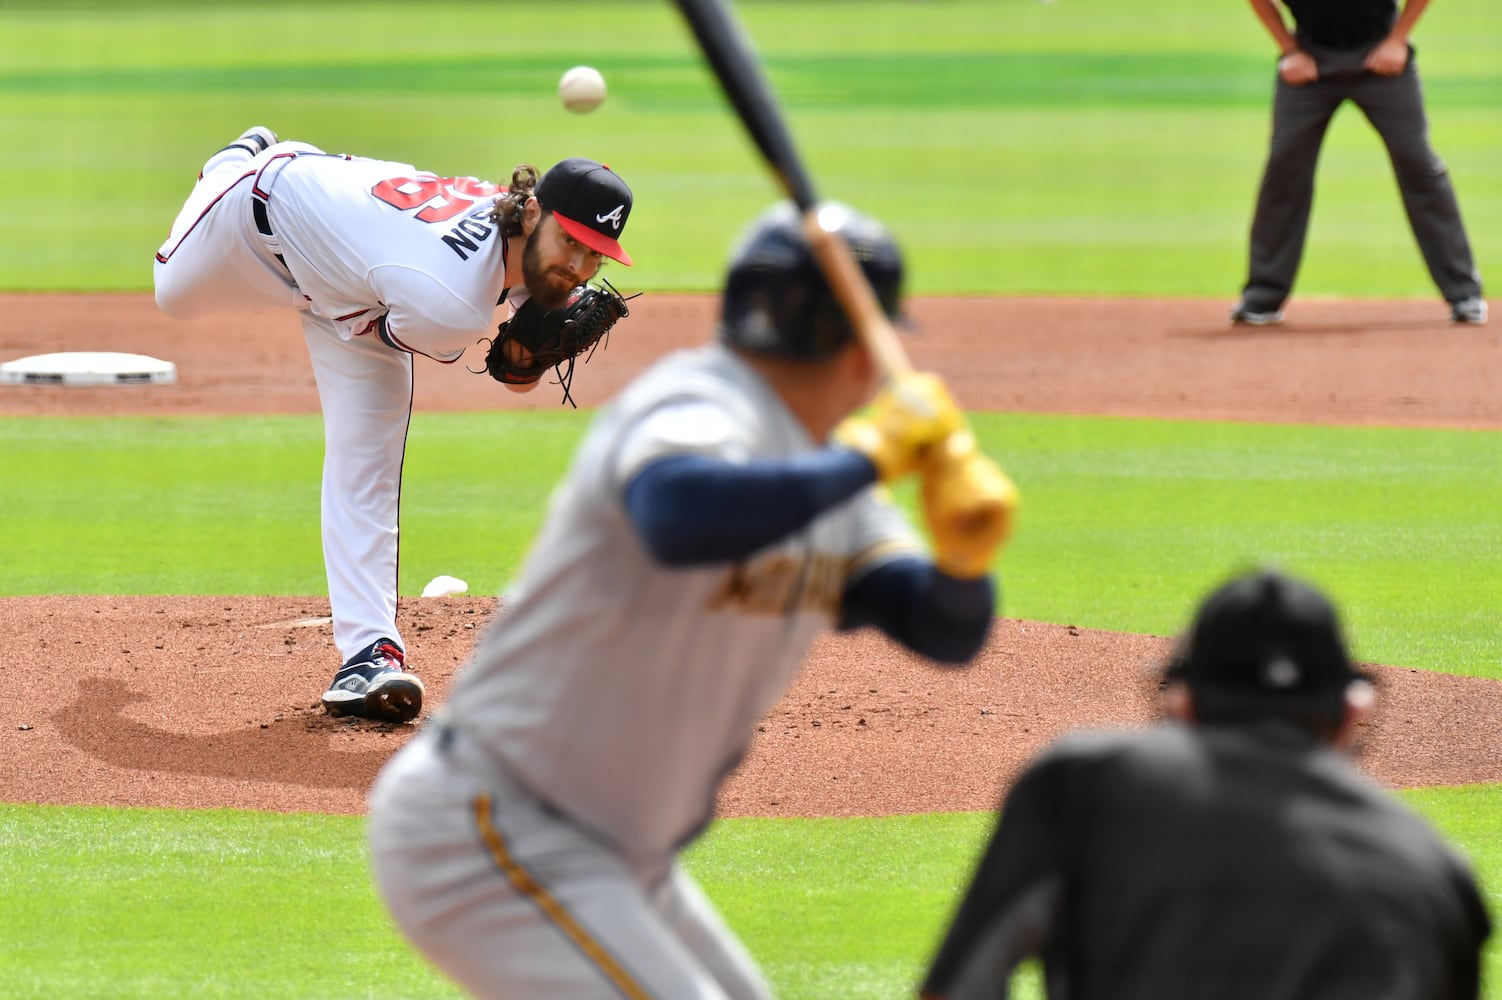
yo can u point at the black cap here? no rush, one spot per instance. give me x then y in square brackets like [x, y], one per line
[1266, 634]
[590, 202]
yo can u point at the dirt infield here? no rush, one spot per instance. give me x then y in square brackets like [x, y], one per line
[212, 701]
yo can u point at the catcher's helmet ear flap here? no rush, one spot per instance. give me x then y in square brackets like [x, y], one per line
[776, 300]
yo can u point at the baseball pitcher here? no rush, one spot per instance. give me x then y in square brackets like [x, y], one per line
[382, 262]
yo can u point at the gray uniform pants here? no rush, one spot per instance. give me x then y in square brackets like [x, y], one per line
[1301, 115]
[514, 901]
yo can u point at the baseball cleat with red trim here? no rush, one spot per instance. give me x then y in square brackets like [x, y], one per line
[373, 685]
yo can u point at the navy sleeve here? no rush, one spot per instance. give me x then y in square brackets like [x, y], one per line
[693, 509]
[931, 613]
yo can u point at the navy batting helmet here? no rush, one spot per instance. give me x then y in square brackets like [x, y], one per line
[776, 300]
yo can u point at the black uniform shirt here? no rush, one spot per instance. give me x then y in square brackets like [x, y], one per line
[1213, 861]
[1343, 24]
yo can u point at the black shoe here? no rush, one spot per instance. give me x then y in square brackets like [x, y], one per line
[1245, 315]
[373, 685]
[1471, 310]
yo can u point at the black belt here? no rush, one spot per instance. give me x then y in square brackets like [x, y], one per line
[263, 223]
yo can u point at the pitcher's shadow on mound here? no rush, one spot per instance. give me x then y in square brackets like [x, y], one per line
[287, 751]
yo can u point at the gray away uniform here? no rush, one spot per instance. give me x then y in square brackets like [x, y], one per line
[527, 839]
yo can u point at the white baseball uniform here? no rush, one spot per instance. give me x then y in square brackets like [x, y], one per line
[527, 838]
[382, 261]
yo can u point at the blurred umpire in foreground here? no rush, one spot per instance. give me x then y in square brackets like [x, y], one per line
[1231, 850]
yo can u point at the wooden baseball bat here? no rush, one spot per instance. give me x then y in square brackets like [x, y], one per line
[727, 47]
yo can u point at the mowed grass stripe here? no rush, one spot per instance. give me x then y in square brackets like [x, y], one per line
[129, 902]
[832, 79]
[1404, 524]
[948, 80]
[1073, 148]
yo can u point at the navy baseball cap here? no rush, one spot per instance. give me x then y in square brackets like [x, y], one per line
[1266, 634]
[590, 202]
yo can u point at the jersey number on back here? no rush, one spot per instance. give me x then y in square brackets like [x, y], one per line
[441, 198]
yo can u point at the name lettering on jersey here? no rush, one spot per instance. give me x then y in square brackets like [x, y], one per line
[613, 217]
[469, 234]
[782, 585]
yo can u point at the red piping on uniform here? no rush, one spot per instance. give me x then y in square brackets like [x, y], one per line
[383, 332]
[256, 188]
[207, 209]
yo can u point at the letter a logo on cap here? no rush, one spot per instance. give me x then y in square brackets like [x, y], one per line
[613, 217]
[577, 190]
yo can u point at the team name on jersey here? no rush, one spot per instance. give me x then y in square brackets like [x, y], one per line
[781, 584]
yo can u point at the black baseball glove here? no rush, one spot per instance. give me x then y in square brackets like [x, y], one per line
[555, 337]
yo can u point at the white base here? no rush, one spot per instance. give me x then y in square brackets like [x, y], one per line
[88, 368]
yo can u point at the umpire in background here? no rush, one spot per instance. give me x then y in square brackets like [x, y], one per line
[1356, 50]
[1230, 851]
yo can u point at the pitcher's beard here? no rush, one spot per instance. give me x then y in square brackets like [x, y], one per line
[547, 287]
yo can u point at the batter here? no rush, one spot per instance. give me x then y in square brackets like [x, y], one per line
[527, 840]
[382, 262]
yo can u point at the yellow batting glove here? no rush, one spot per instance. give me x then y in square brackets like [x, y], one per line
[969, 504]
[908, 417]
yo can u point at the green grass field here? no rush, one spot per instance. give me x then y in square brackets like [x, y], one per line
[149, 903]
[1402, 523]
[1081, 146]
[1016, 147]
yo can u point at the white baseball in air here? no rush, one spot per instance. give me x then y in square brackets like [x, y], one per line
[582, 89]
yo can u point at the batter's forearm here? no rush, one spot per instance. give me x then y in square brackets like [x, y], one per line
[693, 509]
[938, 616]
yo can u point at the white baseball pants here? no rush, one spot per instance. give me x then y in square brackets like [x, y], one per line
[216, 258]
